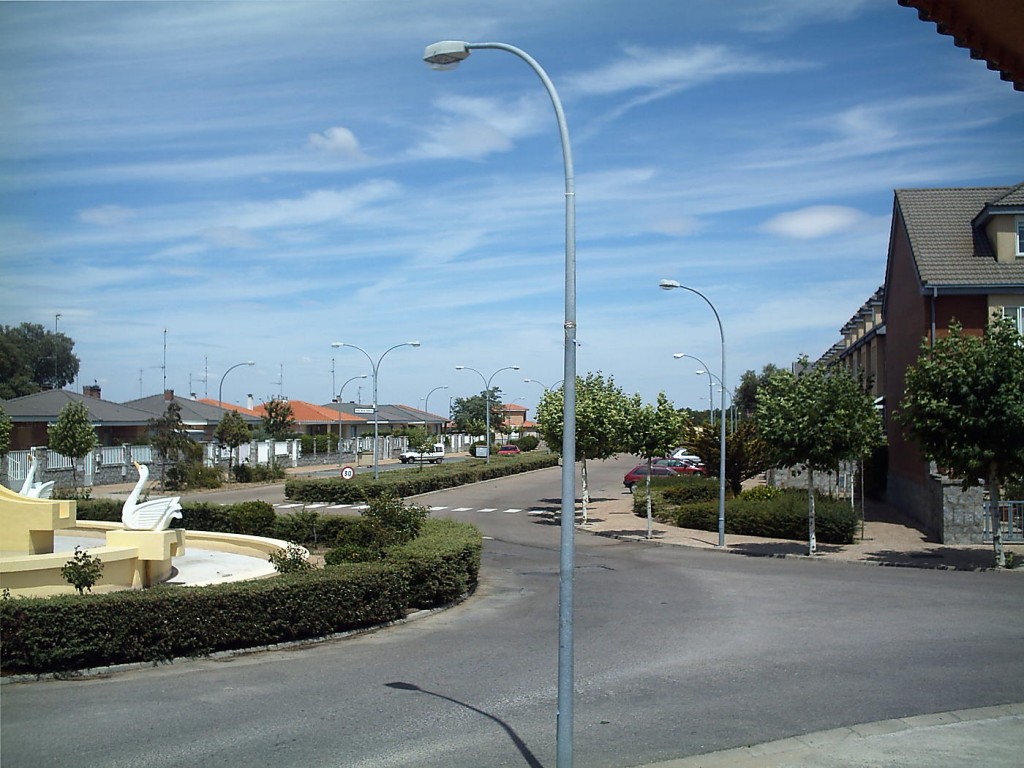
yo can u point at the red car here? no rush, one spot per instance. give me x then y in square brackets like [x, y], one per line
[682, 467]
[638, 474]
[508, 450]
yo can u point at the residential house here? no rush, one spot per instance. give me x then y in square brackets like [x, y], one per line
[200, 418]
[32, 415]
[359, 418]
[955, 255]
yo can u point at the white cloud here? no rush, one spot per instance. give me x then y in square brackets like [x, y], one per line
[815, 221]
[231, 237]
[474, 127]
[339, 140]
[645, 68]
[106, 215]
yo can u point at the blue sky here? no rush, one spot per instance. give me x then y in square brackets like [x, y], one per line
[261, 179]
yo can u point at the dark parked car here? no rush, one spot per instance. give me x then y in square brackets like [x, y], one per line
[638, 474]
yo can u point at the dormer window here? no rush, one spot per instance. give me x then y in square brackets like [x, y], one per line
[1020, 236]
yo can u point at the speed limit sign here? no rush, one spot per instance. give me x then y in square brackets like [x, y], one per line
[348, 473]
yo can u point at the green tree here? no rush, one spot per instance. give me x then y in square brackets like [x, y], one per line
[470, 413]
[33, 359]
[652, 431]
[73, 435]
[170, 439]
[601, 419]
[818, 418]
[746, 393]
[232, 431]
[746, 455]
[5, 431]
[278, 420]
[963, 403]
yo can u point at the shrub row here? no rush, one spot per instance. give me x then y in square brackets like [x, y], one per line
[66, 633]
[782, 517]
[412, 481]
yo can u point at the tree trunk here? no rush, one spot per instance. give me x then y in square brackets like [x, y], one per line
[812, 544]
[997, 523]
[650, 521]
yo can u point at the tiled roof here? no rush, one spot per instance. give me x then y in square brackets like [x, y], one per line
[949, 252]
[46, 406]
[307, 413]
[229, 407]
[193, 412]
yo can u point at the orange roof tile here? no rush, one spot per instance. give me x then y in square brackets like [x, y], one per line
[306, 413]
[230, 407]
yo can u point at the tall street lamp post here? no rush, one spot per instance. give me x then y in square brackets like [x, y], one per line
[220, 389]
[376, 367]
[447, 54]
[426, 400]
[668, 285]
[487, 396]
[711, 407]
[340, 401]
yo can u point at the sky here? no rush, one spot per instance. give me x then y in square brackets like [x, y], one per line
[192, 185]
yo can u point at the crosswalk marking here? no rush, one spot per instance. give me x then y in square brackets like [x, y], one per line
[488, 509]
[512, 511]
[324, 505]
[436, 509]
[463, 509]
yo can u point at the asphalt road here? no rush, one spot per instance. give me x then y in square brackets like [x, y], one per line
[678, 652]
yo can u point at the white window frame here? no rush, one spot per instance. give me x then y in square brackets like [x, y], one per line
[1019, 220]
[1017, 315]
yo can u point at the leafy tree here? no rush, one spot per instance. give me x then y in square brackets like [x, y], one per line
[232, 431]
[601, 419]
[963, 403]
[278, 420]
[746, 393]
[170, 439]
[818, 418]
[73, 435]
[33, 359]
[470, 413]
[652, 431]
[5, 431]
[746, 455]
[82, 571]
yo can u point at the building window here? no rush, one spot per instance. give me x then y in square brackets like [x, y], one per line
[1017, 315]
[1020, 236]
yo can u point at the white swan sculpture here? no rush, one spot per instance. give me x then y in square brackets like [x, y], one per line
[31, 488]
[152, 515]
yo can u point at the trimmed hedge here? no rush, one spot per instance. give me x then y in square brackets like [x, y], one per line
[412, 481]
[70, 632]
[782, 517]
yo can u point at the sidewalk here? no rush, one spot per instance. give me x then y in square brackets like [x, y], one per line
[890, 538]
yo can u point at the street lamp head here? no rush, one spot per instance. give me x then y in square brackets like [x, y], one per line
[445, 54]
[460, 367]
[250, 362]
[413, 343]
[668, 285]
[337, 344]
[679, 355]
[515, 367]
[701, 372]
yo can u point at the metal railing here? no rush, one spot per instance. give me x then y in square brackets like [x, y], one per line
[1011, 521]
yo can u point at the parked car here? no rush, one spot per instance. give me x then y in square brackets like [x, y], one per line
[682, 467]
[638, 474]
[684, 455]
[508, 450]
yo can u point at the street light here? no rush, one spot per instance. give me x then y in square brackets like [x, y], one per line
[220, 389]
[426, 400]
[375, 366]
[487, 396]
[711, 406]
[340, 411]
[447, 54]
[668, 285]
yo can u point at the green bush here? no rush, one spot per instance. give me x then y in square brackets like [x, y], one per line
[527, 443]
[291, 559]
[72, 632]
[253, 518]
[359, 540]
[259, 473]
[782, 517]
[761, 493]
[82, 571]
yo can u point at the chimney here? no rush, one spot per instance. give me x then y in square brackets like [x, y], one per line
[91, 390]
[168, 395]
[248, 402]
